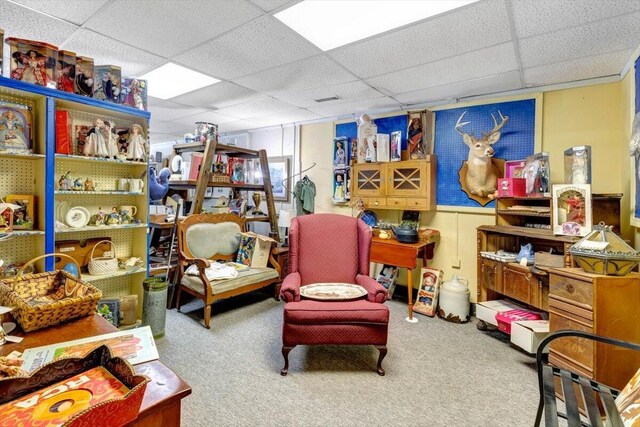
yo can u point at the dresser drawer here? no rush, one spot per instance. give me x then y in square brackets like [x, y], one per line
[570, 289]
[575, 352]
[417, 203]
[491, 274]
[373, 202]
[517, 283]
[396, 202]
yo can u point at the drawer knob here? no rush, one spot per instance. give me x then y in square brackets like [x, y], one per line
[570, 288]
[377, 203]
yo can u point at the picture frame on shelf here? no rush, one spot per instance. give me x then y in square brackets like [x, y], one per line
[427, 298]
[514, 168]
[279, 171]
[571, 214]
[24, 216]
[15, 129]
[388, 277]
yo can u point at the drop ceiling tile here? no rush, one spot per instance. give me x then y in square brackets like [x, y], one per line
[578, 69]
[269, 5]
[75, 11]
[480, 63]
[286, 117]
[260, 107]
[356, 107]
[204, 116]
[167, 27]
[159, 138]
[534, 17]
[17, 21]
[237, 126]
[470, 28]
[351, 91]
[486, 85]
[258, 45]
[596, 38]
[159, 126]
[104, 50]
[219, 95]
[169, 111]
[308, 73]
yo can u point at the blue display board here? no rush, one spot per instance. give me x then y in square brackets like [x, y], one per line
[516, 142]
[385, 125]
[637, 155]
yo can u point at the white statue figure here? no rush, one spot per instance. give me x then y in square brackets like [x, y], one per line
[367, 131]
[136, 148]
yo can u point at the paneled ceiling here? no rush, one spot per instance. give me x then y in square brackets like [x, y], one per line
[271, 75]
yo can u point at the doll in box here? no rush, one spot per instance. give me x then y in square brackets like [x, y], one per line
[136, 144]
[112, 141]
[339, 193]
[34, 68]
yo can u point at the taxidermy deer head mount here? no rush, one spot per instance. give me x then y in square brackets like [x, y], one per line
[481, 176]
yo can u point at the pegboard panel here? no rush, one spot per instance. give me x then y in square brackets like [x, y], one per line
[14, 96]
[122, 238]
[20, 249]
[105, 202]
[104, 174]
[121, 286]
[18, 176]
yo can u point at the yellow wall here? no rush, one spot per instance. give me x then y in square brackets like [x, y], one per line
[590, 115]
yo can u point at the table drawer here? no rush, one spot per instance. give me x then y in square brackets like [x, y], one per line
[416, 203]
[491, 274]
[517, 283]
[577, 352]
[396, 202]
[571, 289]
[373, 202]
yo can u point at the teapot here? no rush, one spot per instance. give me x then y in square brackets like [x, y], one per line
[454, 300]
[405, 233]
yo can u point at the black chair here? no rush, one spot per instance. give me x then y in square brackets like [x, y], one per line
[587, 389]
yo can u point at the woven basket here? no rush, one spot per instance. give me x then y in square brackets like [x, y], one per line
[76, 298]
[103, 265]
[220, 177]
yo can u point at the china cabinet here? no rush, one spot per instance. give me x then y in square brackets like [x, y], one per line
[39, 174]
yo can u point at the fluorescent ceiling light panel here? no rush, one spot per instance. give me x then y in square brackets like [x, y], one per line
[172, 80]
[331, 23]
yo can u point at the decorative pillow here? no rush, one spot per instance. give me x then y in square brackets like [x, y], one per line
[628, 402]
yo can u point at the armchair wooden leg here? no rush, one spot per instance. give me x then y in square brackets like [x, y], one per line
[178, 299]
[383, 352]
[285, 354]
[277, 295]
[207, 316]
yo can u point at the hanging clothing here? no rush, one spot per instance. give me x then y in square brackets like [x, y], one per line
[304, 193]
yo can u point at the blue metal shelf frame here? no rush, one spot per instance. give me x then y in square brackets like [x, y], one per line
[51, 96]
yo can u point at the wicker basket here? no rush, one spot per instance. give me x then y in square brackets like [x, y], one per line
[220, 177]
[103, 265]
[72, 297]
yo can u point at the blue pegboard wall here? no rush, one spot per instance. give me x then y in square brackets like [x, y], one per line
[516, 142]
[637, 109]
[637, 83]
[385, 125]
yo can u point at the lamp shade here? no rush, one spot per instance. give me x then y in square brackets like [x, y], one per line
[284, 218]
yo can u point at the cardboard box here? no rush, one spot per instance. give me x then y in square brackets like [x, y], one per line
[254, 250]
[527, 334]
[512, 187]
[506, 318]
[487, 310]
[196, 162]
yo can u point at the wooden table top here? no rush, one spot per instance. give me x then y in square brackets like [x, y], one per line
[165, 386]
[393, 242]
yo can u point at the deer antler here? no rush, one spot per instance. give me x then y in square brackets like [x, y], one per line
[459, 125]
[497, 127]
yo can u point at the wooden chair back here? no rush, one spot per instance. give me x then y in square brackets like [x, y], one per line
[205, 218]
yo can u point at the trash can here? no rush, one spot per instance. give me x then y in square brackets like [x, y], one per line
[154, 312]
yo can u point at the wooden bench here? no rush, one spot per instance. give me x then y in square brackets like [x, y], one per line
[592, 394]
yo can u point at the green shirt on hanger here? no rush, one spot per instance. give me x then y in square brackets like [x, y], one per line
[304, 192]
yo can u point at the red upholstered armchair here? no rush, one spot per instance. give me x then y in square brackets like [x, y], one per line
[332, 248]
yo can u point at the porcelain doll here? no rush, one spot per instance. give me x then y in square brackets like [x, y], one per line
[64, 71]
[136, 144]
[415, 139]
[114, 217]
[84, 82]
[112, 141]
[89, 185]
[96, 143]
[101, 217]
[34, 68]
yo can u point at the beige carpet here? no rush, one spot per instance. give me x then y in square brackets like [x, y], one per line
[438, 373]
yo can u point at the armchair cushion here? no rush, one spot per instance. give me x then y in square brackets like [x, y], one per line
[205, 240]
[245, 277]
[309, 312]
[290, 290]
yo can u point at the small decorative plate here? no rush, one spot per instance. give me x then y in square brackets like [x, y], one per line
[369, 217]
[332, 291]
[77, 217]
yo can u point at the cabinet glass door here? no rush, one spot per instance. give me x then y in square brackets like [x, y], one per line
[407, 178]
[368, 180]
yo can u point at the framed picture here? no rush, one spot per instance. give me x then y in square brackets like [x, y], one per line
[279, 171]
[396, 146]
[23, 217]
[427, 299]
[514, 168]
[387, 278]
[572, 209]
[15, 129]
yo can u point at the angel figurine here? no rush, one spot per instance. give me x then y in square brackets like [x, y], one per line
[136, 144]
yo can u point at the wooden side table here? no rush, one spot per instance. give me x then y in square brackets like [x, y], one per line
[390, 251]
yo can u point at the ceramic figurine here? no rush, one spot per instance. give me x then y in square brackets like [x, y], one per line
[114, 217]
[136, 144]
[101, 217]
[64, 183]
[77, 185]
[367, 131]
[89, 185]
[84, 76]
[125, 218]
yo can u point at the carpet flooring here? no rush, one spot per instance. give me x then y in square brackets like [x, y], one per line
[437, 373]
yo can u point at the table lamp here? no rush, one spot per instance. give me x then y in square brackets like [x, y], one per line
[284, 221]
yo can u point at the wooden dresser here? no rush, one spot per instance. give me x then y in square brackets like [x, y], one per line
[604, 305]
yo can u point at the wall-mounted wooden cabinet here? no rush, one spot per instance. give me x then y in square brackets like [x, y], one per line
[409, 184]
